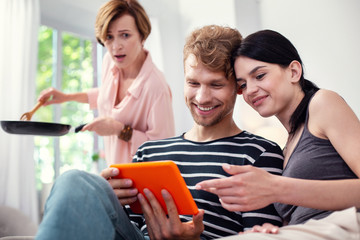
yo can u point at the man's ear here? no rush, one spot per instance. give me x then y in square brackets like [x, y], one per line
[296, 70]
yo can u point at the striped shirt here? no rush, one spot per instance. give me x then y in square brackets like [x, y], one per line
[199, 161]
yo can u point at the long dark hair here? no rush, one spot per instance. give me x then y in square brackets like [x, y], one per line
[272, 47]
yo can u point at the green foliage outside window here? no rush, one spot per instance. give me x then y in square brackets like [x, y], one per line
[76, 149]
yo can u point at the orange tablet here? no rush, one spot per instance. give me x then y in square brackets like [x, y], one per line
[156, 176]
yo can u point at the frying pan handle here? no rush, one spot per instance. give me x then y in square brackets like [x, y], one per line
[78, 128]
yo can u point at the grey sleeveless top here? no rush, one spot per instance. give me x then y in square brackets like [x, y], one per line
[313, 158]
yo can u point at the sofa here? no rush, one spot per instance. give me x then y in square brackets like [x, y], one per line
[14, 225]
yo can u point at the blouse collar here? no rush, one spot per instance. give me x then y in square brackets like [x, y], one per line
[137, 86]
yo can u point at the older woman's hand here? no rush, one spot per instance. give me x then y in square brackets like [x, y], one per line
[52, 96]
[104, 126]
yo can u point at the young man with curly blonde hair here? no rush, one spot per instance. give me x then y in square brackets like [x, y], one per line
[85, 206]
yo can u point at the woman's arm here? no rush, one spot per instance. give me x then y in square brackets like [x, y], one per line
[251, 188]
[330, 117]
[320, 194]
[54, 96]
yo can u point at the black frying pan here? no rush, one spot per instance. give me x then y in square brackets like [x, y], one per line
[37, 128]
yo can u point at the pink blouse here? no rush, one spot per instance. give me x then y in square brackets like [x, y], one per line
[147, 108]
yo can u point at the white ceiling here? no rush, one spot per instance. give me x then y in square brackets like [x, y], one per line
[71, 15]
[86, 5]
[91, 5]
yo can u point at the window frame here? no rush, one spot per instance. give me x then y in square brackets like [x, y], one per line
[56, 82]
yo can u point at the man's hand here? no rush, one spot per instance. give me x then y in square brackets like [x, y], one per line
[161, 226]
[122, 187]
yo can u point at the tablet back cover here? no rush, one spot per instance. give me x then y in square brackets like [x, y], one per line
[156, 176]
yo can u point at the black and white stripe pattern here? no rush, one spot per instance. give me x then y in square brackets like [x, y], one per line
[200, 161]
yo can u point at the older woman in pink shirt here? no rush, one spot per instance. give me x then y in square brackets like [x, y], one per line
[134, 100]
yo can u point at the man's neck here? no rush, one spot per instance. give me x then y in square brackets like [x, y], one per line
[205, 134]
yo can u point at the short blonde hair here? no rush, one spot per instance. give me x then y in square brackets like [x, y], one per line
[114, 9]
[213, 46]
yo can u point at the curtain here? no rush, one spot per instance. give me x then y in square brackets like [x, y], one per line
[19, 22]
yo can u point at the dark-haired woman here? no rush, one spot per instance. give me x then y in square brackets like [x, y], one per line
[319, 192]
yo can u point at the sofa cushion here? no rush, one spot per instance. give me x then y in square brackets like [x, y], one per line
[14, 223]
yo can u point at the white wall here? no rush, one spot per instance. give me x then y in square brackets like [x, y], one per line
[177, 18]
[327, 36]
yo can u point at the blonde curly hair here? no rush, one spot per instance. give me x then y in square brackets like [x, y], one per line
[213, 46]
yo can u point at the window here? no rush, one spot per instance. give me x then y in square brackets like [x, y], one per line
[68, 63]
